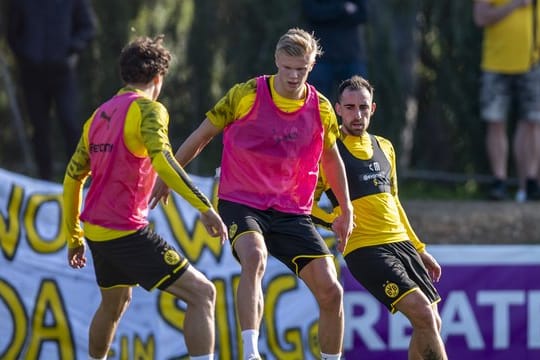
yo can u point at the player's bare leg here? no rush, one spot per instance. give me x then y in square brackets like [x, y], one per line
[426, 342]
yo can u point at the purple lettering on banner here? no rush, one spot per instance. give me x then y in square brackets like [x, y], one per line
[489, 312]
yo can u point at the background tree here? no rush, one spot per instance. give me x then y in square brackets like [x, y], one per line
[424, 63]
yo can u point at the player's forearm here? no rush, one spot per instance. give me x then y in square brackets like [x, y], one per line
[72, 199]
[172, 173]
[337, 180]
[196, 142]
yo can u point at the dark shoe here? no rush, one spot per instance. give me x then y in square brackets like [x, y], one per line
[533, 190]
[498, 190]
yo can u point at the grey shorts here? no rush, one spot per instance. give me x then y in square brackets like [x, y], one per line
[500, 91]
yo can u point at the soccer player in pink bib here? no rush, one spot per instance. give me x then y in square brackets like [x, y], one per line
[276, 130]
[124, 143]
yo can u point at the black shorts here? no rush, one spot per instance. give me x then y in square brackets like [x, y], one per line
[391, 271]
[142, 258]
[290, 238]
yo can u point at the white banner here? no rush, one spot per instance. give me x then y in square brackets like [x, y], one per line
[46, 307]
[490, 306]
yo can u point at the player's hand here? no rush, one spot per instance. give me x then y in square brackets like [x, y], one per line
[342, 227]
[160, 192]
[214, 225]
[76, 257]
[432, 266]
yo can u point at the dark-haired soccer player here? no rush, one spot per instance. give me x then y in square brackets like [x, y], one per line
[124, 143]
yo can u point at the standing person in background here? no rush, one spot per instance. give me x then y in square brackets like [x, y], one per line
[511, 71]
[122, 146]
[276, 129]
[383, 253]
[339, 25]
[47, 37]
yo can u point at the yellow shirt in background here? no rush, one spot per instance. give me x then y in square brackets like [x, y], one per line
[508, 44]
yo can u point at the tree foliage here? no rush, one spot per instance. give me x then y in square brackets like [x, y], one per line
[424, 63]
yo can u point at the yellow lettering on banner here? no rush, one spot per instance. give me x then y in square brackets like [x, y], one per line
[330, 241]
[49, 308]
[40, 245]
[19, 321]
[139, 350]
[274, 290]
[10, 227]
[223, 334]
[313, 342]
[124, 352]
[235, 281]
[194, 243]
[171, 313]
[144, 351]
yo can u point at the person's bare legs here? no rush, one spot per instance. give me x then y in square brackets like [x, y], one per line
[114, 303]
[497, 148]
[426, 342]
[199, 294]
[522, 148]
[497, 153]
[321, 278]
[527, 151]
[253, 256]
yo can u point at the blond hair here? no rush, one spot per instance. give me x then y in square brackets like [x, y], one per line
[298, 42]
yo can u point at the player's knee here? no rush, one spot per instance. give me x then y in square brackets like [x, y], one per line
[115, 306]
[255, 261]
[423, 318]
[330, 296]
[438, 321]
[205, 293]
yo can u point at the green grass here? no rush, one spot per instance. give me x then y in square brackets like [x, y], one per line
[437, 190]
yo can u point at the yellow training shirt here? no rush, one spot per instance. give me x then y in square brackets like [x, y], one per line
[379, 218]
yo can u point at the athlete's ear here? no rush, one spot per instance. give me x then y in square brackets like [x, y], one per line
[157, 82]
[311, 66]
[373, 107]
[337, 107]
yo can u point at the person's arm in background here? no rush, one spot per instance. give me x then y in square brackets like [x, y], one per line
[84, 26]
[335, 174]
[486, 14]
